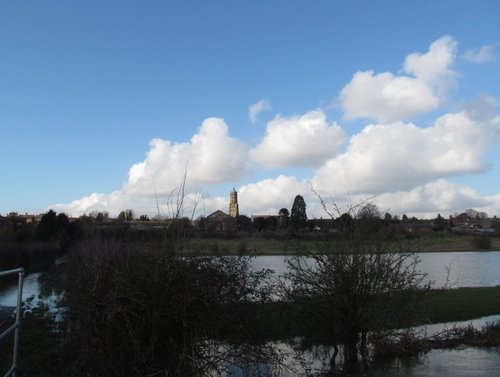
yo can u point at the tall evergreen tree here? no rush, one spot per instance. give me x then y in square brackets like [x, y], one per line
[298, 215]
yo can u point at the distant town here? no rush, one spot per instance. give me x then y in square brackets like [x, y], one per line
[469, 221]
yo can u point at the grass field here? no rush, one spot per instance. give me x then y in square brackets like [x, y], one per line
[259, 245]
[462, 304]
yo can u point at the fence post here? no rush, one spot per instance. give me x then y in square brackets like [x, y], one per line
[17, 325]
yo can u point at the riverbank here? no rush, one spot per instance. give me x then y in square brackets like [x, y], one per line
[270, 244]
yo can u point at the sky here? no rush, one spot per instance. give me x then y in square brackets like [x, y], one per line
[107, 105]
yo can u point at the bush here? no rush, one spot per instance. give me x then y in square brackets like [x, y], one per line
[136, 312]
[353, 289]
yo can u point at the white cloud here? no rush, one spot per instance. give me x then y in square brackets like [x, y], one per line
[402, 165]
[480, 55]
[211, 157]
[425, 201]
[483, 108]
[268, 196]
[385, 158]
[118, 201]
[434, 67]
[257, 108]
[306, 140]
[387, 98]
[86, 204]
[435, 197]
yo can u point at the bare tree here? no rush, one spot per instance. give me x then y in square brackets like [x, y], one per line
[151, 310]
[133, 312]
[353, 287]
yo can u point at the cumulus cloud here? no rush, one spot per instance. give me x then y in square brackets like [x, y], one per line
[385, 158]
[440, 196]
[258, 107]
[387, 98]
[306, 140]
[87, 204]
[434, 67]
[403, 166]
[211, 157]
[119, 200]
[270, 195]
[479, 55]
[483, 108]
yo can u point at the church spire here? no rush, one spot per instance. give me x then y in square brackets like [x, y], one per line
[234, 210]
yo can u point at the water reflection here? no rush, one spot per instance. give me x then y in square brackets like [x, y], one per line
[472, 361]
[452, 269]
[462, 269]
[42, 286]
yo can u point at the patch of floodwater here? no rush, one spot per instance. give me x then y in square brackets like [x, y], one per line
[471, 361]
[431, 330]
[40, 287]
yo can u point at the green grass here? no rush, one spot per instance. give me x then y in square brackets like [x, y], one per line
[239, 246]
[462, 304]
[260, 245]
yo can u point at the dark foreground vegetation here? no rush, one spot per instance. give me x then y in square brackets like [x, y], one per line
[141, 305]
[43, 349]
[146, 312]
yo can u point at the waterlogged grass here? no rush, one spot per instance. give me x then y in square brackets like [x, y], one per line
[283, 320]
[462, 304]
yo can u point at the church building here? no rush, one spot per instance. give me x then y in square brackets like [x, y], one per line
[218, 221]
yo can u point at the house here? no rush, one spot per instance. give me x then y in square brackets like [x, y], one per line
[466, 223]
[219, 221]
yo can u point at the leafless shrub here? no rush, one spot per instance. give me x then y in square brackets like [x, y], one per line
[354, 287]
[136, 312]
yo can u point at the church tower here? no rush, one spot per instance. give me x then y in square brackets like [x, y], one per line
[234, 210]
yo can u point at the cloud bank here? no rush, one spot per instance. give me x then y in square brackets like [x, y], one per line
[405, 167]
[402, 156]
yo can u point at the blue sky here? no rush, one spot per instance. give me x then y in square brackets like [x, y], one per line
[86, 86]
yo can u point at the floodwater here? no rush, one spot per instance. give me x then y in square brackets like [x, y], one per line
[450, 269]
[445, 269]
[43, 284]
[471, 361]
